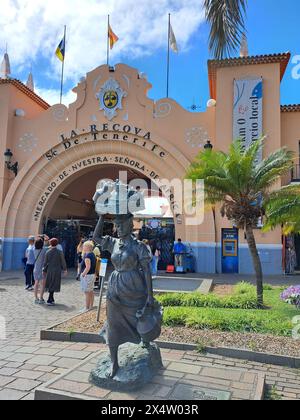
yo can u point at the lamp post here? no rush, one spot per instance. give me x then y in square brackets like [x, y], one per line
[14, 167]
[208, 145]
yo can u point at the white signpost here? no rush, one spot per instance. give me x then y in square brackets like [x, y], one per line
[248, 112]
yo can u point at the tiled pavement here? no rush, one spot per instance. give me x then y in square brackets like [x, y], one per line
[26, 363]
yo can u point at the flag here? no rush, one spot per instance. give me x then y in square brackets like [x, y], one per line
[61, 50]
[112, 37]
[172, 40]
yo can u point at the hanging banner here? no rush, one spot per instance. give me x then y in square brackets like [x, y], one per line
[248, 111]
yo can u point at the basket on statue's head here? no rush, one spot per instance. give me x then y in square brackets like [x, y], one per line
[118, 198]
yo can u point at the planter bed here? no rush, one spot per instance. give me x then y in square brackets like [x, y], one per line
[255, 347]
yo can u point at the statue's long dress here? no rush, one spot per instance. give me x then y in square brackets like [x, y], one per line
[127, 290]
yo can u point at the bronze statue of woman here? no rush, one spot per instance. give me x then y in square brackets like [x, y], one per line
[130, 285]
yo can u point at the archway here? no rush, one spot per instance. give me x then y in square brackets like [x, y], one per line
[41, 182]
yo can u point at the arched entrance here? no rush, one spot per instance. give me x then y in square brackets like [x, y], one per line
[42, 181]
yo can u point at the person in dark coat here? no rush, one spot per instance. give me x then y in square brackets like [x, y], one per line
[54, 265]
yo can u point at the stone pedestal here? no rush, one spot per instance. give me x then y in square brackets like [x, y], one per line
[138, 366]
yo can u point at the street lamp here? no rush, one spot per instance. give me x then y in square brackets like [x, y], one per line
[208, 145]
[14, 167]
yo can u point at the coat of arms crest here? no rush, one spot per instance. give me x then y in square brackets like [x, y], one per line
[110, 98]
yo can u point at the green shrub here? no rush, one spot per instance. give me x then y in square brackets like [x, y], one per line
[263, 322]
[244, 288]
[197, 300]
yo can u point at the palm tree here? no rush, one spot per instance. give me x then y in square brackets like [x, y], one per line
[241, 184]
[283, 208]
[227, 21]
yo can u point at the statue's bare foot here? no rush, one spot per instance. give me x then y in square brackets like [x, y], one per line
[114, 370]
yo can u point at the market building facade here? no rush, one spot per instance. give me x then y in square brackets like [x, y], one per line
[63, 152]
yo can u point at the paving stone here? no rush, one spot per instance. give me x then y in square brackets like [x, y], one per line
[163, 391]
[10, 348]
[69, 386]
[22, 358]
[24, 385]
[27, 366]
[185, 368]
[171, 374]
[11, 395]
[221, 373]
[241, 385]
[60, 371]
[73, 354]
[47, 377]
[78, 376]
[28, 397]
[28, 374]
[210, 380]
[43, 360]
[96, 392]
[4, 355]
[289, 395]
[116, 396]
[249, 378]
[8, 371]
[244, 395]
[26, 350]
[5, 380]
[78, 347]
[164, 380]
[46, 352]
[13, 365]
[88, 367]
[45, 369]
[65, 363]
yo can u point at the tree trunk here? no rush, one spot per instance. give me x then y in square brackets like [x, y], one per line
[257, 265]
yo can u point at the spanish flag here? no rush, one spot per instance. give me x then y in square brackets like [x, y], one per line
[61, 50]
[112, 37]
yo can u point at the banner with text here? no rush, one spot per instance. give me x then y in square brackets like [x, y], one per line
[248, 111]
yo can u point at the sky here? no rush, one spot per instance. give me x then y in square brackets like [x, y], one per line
[33, 29]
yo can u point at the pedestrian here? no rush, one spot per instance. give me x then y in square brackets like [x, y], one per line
[39, 279]
[79, 257]
[87, 277]
[179, 252]
[97, 254]
[29, 265]
[54, 265]
[147, 243]
[156, 256]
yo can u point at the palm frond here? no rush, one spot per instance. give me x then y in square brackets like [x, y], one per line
[227, 20]
[283, 208]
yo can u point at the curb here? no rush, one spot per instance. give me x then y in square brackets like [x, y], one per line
[234, 353]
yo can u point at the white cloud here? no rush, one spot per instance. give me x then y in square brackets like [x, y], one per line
[52, 96]
[33, 29]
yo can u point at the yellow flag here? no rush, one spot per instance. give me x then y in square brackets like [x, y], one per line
[112, 37]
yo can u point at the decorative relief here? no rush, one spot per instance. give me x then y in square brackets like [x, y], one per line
[162, 110]
[28, 142]
[196, 137]
[60, 113]
[127, 80]
[110, 98]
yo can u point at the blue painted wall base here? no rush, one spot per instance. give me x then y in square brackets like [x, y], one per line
[13, 251]
[208, 259]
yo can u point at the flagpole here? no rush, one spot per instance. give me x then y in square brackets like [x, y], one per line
[168, 59]
[63, 67]
[108, 40]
